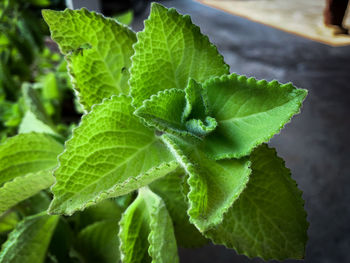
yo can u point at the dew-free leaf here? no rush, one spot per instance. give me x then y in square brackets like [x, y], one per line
[28, 242]
[98, 50]
[23, 187]
[184, 136]
[110, 154]
[146, 231]
[181, 112]
[268, 220]
[214, 185]
[170, 189]
[249, 112]
[27, 153]
[168, 52]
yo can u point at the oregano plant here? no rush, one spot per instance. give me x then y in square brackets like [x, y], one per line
[171, 150]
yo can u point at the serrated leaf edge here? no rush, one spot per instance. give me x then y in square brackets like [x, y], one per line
[269, 84]
[106, 193]
[187, 19]
[67, 55]
[298, 193]
[191, 180]
[155, 125]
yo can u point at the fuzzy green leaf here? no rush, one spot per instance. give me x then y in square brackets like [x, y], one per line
[179, 112]
[98, 51]
[111, 153]
[214, 185]
[99, 242]
[23, 187]
[168, 52]
[28, 242]
[27, 153]
[248, 112]
[268, 220]
[196, 102]
[170, 189]
[147, 224]
[164, 111]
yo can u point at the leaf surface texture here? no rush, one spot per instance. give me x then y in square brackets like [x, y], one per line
[110, 154]
[249, 112]
[169, 51]
[98, 52]
[268, 220]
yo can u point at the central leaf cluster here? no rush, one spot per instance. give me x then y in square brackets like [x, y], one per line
[179, 111]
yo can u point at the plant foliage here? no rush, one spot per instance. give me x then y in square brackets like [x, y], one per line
[171, 151]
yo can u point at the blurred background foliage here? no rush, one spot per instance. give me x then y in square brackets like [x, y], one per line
[29, 58]
[31, 65]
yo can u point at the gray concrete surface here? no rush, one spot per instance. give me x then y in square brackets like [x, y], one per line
[315, 144]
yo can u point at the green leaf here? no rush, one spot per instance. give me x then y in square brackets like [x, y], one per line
[110, 154]
[169, 51]
[248, 112]
[268, 220]
[34, 104]
[99, 242]
[50, 87]
[125, 18]
[178, 112]
[31, 123]
[27, 153]
[214, 185]
[201, 128]
[8, 221]
[196, 102]
[170, 189]
[29, 241]
[23, 187]
[98, 51]
[145, 223]
[164, 111]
